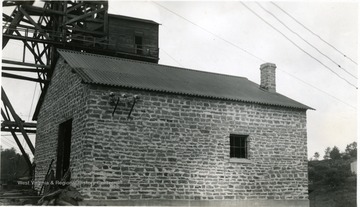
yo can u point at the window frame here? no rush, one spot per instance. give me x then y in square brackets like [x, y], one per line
[243, 143]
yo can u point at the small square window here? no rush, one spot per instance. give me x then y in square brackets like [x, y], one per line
[238, 146]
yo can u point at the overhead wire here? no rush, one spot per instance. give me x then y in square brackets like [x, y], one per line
[314, 33]
[252, 11]
[172, 57]
[334, 97]
[251, 55]
[13, 143]
[6, 144]
[9, 141]
[208, 31]
[164, 26]
[293, 76]
[26, 147]
[337, 64]
[9, 144]
[32, 101]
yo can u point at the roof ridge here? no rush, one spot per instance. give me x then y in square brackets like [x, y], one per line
[187, 81]
[149, 63]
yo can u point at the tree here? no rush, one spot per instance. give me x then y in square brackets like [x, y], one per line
[13, 165]
[335, 153]
[351, 150]
[316, 156]
[327, 153]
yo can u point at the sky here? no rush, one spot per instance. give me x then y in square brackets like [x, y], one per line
[230, 38]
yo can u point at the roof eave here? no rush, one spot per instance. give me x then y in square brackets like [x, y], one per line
[87, 81]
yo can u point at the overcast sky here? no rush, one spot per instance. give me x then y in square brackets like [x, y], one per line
[202, 35]
[226, 37]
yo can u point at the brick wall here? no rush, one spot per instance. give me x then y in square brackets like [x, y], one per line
[173, 147]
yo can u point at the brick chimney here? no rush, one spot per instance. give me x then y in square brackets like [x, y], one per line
[268, 77]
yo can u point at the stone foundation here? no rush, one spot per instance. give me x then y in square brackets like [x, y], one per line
[202, 203]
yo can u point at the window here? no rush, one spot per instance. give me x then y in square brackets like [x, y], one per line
[139, 44]
[238, 146]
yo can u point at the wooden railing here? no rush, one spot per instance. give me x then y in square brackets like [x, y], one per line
[51, 36]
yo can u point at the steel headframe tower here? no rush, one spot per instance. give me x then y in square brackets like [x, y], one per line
[76, 25]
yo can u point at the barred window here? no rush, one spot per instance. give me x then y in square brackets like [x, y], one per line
[238, 146]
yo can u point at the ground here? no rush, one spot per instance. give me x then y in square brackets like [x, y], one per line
[339, 196]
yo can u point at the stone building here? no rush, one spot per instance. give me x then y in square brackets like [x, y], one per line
[140, 133]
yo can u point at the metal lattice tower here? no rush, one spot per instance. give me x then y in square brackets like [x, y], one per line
[76, 25]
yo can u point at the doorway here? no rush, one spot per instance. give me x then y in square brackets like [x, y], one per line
[63, 150]
[139, 45]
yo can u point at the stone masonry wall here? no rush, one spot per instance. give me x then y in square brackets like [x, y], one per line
[173, 147]
[65, 99]
[177, 147]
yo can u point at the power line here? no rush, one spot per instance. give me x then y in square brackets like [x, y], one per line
[314, 33]
[172, 57]
[305, 40]
[296, 44]
[32, 102]
[206, 30]
[11, 142]
[253, 56]
[334, 97]
[6, 137]
[293, 76]
[6, 144]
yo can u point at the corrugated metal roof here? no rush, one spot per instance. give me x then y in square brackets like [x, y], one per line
[113, 71]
